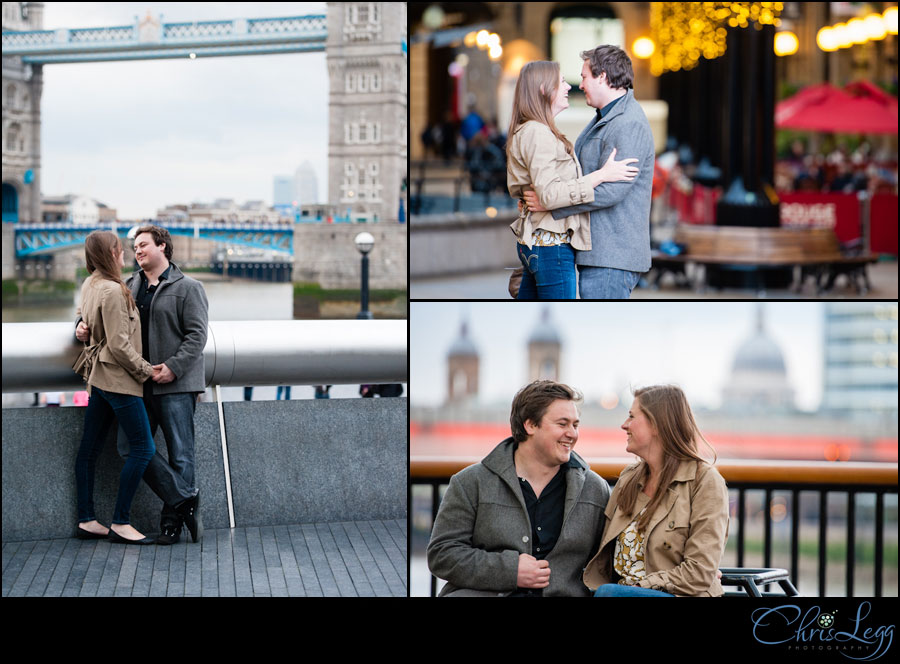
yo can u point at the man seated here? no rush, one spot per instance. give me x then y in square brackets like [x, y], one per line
[527, 518]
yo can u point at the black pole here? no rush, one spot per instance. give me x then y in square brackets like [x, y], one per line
[364, 290]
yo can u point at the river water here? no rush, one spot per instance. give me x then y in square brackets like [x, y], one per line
[235, 299]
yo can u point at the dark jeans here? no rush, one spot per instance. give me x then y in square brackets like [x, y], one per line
[102, 409]
[172, 480]
[549, 272]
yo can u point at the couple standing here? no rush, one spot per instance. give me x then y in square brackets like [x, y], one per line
[143, 364]
[599, 220]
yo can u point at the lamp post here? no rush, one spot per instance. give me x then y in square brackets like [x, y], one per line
[364, 243]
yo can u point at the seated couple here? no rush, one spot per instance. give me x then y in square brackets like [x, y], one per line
[532, 519]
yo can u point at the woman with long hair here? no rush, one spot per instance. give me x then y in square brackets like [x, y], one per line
[667, 517]
[542, 159]
[115, 371]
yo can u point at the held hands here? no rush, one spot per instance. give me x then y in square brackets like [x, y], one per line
[532, 202]
[162, 374]
[82, 332]
[533, 573]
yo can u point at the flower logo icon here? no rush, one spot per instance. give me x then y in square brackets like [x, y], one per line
[826, 620]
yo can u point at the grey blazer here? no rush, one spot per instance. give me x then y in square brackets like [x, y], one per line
[482, 526]
[620, 213]
[179, 323]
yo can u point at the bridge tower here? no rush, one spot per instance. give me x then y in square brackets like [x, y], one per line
[22, 88]
[367, 144]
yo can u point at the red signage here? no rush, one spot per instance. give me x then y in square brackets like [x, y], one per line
[840, 212]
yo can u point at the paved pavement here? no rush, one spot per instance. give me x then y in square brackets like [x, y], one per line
[347, 559]
[493, 285]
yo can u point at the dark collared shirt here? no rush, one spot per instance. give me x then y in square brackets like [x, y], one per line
[143, 300]
[603, 112]
[546, 516]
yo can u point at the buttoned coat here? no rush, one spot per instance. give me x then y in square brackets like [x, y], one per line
[620, 211]
[482, 527]
[537, 160]
[684, 540]
[116, 331]
[178, 329]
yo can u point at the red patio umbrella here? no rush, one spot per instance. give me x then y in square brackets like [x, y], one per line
[825, 108]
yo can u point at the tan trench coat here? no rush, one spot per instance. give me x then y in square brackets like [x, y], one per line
[685, 539]
[116, 333]
[537, 160]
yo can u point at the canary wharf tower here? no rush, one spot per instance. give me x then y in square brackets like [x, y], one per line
[367, 146]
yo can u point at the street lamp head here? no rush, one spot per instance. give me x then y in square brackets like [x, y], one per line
[364, 242]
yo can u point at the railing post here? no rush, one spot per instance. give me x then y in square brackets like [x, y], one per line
[851, 539]
[823, 539]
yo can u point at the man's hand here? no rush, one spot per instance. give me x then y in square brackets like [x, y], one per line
[531, 200]
[82, 333]
[162, 374]
[533, 573]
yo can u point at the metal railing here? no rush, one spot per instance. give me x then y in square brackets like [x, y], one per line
[39, 356]
[795, 477]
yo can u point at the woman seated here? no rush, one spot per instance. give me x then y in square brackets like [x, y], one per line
[667, 518]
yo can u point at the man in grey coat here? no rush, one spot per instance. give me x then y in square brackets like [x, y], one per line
[174, 327]
[527, 518]
[620, 211]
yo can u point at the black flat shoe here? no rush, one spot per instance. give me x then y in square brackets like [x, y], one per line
[114, 537]
[81, 533]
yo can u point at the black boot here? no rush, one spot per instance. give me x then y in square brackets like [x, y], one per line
[189, 510]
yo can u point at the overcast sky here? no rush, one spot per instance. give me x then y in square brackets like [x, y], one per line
[608, 347]
[139, 135]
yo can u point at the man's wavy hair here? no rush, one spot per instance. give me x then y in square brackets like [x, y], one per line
[614, 61]
[532, 402]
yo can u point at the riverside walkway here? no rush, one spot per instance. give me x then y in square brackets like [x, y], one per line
[341, 559]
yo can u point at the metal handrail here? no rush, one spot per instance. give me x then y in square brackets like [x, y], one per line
[39, 356]
[769, 472]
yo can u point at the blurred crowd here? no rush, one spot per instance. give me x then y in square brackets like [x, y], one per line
[477, 142]
[839, 170]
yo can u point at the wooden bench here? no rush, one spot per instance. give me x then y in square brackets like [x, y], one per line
[814, 252]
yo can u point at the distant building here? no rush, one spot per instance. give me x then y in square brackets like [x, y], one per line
[861, 360]
[75, 209]
[758, 381]
[544, 349]
[306, 185]
[221, 210]
[462, 367]
[283, 191]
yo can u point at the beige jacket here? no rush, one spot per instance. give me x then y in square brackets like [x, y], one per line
[537, 160]
[685, 539]
[115, 336]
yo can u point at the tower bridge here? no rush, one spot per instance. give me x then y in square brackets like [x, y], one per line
[365, 54]
[44, 239]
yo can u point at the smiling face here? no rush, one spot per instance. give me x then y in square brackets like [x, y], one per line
[642, 439]
[147, 253]
[556, 434]
[596, 90]
[561, 98]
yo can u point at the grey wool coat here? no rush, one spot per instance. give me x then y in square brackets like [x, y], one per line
[620, 212]
[482, 526]
[179, 324]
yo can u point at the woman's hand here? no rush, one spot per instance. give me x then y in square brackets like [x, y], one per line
[615, 171]
[532, 201]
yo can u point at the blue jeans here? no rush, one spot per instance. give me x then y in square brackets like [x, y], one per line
[549, 272]
[172, 480]
[103, 408]
[617, 590]
[606, 283]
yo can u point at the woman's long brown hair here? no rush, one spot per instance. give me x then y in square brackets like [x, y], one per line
[98, 254]
[670, 415]
[535, 89]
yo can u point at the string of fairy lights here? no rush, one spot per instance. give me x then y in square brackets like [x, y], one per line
[684, 32]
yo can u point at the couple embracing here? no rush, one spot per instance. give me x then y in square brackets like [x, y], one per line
[599, 220]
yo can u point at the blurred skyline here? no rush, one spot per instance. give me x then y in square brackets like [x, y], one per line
[140, 135]
[612, 347]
